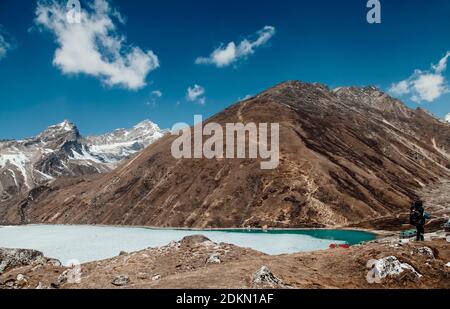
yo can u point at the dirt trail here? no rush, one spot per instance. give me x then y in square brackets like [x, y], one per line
[240, 112]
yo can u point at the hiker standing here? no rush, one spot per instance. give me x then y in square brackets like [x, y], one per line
[417, 218]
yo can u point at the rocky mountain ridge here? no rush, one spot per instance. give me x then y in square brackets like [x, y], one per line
[346, 156]
[60, 150]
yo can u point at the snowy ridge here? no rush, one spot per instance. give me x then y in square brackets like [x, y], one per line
[60, 150]
[114, 146]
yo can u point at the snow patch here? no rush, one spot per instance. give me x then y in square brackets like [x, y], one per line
[19, 160]
[48, 177]
[84, 156]
[14, 177]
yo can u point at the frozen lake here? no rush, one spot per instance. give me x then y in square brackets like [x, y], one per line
[91, 243]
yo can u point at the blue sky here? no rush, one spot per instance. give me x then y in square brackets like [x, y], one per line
[322, 41]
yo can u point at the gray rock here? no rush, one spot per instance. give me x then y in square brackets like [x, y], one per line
[388, 267]
[54, 262]
[265, 277]
[9, 283]
[63, 278]
[21, 281]
[194, 240]
[214, 259]
[13, 258]
[72, 276]
[121, 280]
[426, 251]
[37, 267]
[143, 276]
[156, 278]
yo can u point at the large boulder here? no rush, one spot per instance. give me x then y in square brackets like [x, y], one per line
[266, 278]
[121, 280]
[388, 267]
[424, 251]
[13, 258]
[194, 240]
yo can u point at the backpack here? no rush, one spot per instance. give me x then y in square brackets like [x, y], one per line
[413, 218]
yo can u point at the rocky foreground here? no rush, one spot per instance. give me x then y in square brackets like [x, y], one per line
[196, 262]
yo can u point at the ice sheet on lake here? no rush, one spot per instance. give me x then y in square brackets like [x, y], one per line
[91, 243]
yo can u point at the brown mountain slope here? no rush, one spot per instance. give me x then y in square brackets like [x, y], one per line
[347, 155]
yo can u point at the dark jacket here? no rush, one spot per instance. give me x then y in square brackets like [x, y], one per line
[417, 216]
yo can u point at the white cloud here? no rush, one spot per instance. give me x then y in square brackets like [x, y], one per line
[425, 86]
[5, 46]
[442, 65]
[196, 94]
[157, 93]
[228, 54]
[447, 118]
[429, 86]
[401, 88]
[94, 46]
[153, 101]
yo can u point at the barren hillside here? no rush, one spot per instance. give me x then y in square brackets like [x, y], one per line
[347, 155]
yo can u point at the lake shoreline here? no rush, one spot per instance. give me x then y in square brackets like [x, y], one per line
[95, 242]
[377, 233]
[196, 262]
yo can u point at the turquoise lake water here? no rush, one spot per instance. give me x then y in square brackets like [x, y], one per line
[347, 236]
[91, 243]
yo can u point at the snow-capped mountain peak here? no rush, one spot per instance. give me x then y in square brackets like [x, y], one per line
[60, 150]
[112, 147]
[57, 133]
[65, 125]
